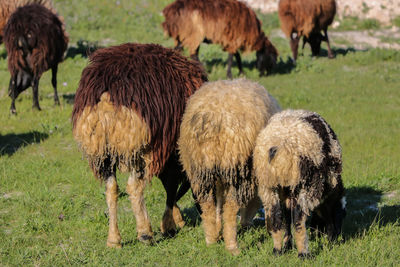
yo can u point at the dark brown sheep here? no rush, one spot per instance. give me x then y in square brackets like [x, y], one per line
[35, 42]
[127, 113]
[229, 23]
[7, 7]
[307, 18]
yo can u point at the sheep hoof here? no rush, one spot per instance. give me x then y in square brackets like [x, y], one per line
[277, 252]
[146, 239]
[304, 256]
[169, 233]
[111, 244]
[13, 111]
[234, 251]
[37, 107]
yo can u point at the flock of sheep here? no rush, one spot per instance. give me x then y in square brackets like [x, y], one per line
[150, 111]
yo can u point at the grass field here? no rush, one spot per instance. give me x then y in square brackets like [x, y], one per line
[53, 212]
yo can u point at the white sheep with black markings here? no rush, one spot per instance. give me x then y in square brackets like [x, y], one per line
[217, 137]
[298, 165]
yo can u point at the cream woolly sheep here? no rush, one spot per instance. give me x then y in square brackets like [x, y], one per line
[298, 165]
[217, 137]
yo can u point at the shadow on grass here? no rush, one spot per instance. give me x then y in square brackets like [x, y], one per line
[83, 48]
[69, 98]
[283, 66]
[191, 216]
[10, 143]
[3, 54]
[363, 211]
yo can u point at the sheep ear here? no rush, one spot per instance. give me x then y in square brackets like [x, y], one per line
[272, 152]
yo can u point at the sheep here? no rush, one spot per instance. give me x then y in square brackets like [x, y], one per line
[229, 23]
[126, 114]
[7, 7]
[217, 136]
[307, 18]
[35, 42]
[298, 165]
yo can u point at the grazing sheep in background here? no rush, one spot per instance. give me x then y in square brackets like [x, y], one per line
[7, 7]
[229, 23]
[218, 133]
[298, 165]
[127, 112]
[307, 18]
[35, 42]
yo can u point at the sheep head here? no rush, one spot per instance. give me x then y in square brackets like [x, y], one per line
[314, 39]
[328, 217]
[266, 57]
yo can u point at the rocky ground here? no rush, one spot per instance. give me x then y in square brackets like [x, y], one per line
[384, 11]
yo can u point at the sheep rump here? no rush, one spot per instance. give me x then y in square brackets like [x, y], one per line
[298, 164]
[218, 133]
[154, 120]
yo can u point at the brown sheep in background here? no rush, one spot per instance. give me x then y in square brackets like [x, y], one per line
[307, 18]
[217, 137]
[127, 112]
[35, 42]
[7, 7]
[229, 23]
[298, 165]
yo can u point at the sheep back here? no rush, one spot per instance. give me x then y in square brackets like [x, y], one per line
[218, 133]
[298, 149]
[42, 31]
[229, 23]
[129, 104]
[305, 16]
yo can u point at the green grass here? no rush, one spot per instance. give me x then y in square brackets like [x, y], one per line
[53, 212]
[354, 23]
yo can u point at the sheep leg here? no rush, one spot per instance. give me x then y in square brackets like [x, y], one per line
[35, 89]
[185, 186]
[230, 60]
[178, 46]
[230, 210]
[294, 45]
[274, 218]
[114, 237]
[209, 220]
[326, 39]
[170, 178]
[287, 239]
[247, 213]
[135, 189]
[195, 55]
[54, 83]
[239, 62]
[300, 232]
[11, 89]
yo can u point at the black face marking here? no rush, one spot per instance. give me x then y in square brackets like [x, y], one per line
[272, 152]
